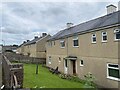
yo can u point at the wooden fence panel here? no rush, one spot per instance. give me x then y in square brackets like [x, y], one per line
[12, 74]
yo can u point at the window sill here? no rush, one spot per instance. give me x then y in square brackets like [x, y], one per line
[112, 78]
[116, 40]
[104, 41]
[62, 47]
[49, 62]
[81, 65]
[76, 46]
[93, 42]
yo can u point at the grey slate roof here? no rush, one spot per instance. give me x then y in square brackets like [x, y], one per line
[107, 20]
[34, 40]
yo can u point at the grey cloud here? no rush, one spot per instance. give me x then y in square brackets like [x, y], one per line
[28, 18]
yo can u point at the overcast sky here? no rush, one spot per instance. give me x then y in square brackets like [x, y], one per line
[21, 21]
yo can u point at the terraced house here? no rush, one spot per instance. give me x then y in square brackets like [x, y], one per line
[93, 46]
[35, 47]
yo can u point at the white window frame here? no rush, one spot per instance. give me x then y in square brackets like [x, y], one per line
[104, 35]
[59, 59]
[93, 37]
[75, 38]
[81, 64]
[50, 43]
[54, 43]
[49, 60]
[110, 77]
[115, 31]
[61, 41]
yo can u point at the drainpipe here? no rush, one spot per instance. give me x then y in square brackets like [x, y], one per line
[67, 55]
[67, 46]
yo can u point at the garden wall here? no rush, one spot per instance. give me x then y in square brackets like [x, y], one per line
[24, 58]
[12, 74]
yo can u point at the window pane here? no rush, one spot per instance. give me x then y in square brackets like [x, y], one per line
[118, 35]
[113, 65]
[50, 43]
[94, 39]
[81, 62]
[104, 37]
[114, 73]
[54, 42]
[65, 63]
[75, 42]
[62, 43]
[94, 35]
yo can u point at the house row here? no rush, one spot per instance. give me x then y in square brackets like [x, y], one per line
[34, 48]
[92, 46]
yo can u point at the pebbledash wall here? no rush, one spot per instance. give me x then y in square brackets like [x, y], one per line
[95, 56]
[36, 49]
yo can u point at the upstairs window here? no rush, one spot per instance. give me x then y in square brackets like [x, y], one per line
[104, 36]
[62, 43]
[50, 43]
[93, 38]
[117, 34]
[113, 71]
[75, 41]
[54, 42]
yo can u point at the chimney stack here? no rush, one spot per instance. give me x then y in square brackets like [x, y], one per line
[44, 34]
[24, 41]
[35, 37]
[111, 8]
[27, 40]
[119, 5]
[69, 25]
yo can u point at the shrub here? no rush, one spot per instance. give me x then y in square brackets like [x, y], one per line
[88, 82]
[89, 79]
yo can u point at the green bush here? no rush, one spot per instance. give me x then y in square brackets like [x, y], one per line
[88, 82]
[89, 79]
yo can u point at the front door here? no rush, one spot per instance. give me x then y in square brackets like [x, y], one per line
[65, 66]
[74, 67]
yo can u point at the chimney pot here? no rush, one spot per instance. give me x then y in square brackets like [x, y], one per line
[69, 25]
[24, 41]
[111, 8]
[36, 37]
[44, 34]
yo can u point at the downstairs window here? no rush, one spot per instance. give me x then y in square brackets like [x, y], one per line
[113, 71]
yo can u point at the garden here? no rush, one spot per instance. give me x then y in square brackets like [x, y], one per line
[45, 79]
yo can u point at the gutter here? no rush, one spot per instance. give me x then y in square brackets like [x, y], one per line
[87, 31]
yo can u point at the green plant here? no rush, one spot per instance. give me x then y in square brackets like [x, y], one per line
[64, 76]
[89, 79]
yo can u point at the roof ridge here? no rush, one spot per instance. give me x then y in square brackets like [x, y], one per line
[99, 22]
[97, 18]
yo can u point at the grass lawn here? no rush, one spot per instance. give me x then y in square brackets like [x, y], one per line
[45, 79]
